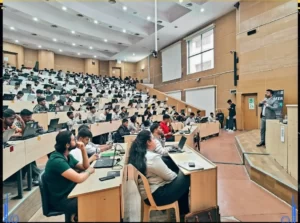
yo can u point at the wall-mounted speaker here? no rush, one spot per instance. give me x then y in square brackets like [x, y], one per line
[251, 32]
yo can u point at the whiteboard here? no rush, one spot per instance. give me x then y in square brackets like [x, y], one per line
[175, 94]
[202, 98]
[171, 62]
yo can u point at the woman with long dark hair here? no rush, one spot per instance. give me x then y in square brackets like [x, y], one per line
[166, 186]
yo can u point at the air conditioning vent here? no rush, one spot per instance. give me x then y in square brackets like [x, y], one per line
[54, 26]
[79, 15]
[34, 34]
[189, 5]
[112, 1]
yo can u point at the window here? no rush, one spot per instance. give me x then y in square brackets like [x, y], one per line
[201, 52]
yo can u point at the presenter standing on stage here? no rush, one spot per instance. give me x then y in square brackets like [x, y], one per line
[269, 106]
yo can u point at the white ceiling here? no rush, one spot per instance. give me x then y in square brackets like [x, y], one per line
[111, 20]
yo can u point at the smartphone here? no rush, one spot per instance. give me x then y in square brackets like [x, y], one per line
[107, 178]
[191, 164]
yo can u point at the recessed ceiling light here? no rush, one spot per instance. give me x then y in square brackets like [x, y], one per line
[54, 40]
[95, 56]
[91, 47]
[133, 54]
[202, 10]
[60, 50]
[105, 40]
[124, 8]
[148, 17]
[125, 59]
[180, 1]
[40, 46]
[64, 8]
[124, 30]
[12, 28]
[95, 21]
[16, 41]
[78, 53]
[35, 19]
[73, 44]
[73, 32]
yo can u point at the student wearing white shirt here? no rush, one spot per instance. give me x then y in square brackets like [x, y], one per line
[102, 116]
[73, 120]
[19, 96]
[91, 117]
[115, 115]
[190, 119]
[16, 89]
[165, 185]
[133, 125]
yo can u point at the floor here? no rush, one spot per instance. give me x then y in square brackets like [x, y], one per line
[238, 197]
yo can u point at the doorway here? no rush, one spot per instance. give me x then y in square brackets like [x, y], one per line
[250, 111]
[116, 71]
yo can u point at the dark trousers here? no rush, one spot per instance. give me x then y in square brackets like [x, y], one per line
[169, 162]
[35, 170]
[221, 122]
[68, 206]
[170, 139]
[230, 123]
[177, 190]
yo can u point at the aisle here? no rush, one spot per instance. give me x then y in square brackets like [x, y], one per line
[238, 196]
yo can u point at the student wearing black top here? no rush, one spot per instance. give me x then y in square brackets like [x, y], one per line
[60, 173]
[122, 131]
[220, 117]
[232, 113]
[147, 112]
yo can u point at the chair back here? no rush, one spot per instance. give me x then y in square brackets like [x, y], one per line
[114, 138]
[138, 175]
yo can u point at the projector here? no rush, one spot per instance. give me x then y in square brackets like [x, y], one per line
[154, 53]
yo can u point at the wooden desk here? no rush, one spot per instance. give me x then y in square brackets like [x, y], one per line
[203, 189]
[101, 201]
[13, 160]
[190, 137]
[177, 126]
[39, 146]
[105, 127]
[18, 106]
[208, 129]
[277, 149]
[128, 139]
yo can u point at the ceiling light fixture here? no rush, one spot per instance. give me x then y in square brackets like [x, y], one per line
[124, 8]
[73, 44]
[17, 41]
[202, 10]
[148, 17]
[64, 8]
[91, 48]
[95, 56]
[180, 1]
[73, 32]
[40, 46]
[60, 50]
[125, 59]
[133, 54]
[54, 40]
[95, 21]
[12, 28]
[78, 53]
[105, 40]
[124, 30]
[35, 19]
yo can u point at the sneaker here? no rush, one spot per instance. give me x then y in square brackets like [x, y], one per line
[35, 182]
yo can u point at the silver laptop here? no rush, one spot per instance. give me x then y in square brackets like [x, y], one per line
[7, 135]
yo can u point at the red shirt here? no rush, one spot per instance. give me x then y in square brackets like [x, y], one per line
[165, 128]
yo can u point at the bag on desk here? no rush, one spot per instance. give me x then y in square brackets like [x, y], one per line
[208, 215]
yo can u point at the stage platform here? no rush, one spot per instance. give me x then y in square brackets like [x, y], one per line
[264, 170]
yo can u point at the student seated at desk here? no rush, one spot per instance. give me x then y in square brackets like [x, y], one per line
[9, 117]
[91, 117]
[165, 185]
[166, 126]
[146, 125]
[60, 173]
[191, 119]
[19, 96]
[198, 117]
[115, 115]
[41, 106]
[16, 88]
[70, 103]
[165, 111]
[122, 131]
[73, 120]
[211, 117]
[102, 116]
[48, 90]
[39, 93]
[133, 125]
[59, 106]
[123, 113]
[177, 117]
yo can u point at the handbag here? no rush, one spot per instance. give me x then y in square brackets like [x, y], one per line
[208, 215]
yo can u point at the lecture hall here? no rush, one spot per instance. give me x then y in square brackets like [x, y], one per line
[150, 111]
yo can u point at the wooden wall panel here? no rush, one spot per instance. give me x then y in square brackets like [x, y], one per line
[143, 64]
[13, 48]
[30, 57]
[127, 69]
[104, 68]
[46, 59]
[12, 59]
[91, 66]
[66, 63]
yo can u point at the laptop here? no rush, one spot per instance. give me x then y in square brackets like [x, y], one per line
[29, 132]
[106, 163]
[179, 147]
[8, 97]
[49, 98]
[186, 131]
[53, 125]
[6, 136]
[31, 97]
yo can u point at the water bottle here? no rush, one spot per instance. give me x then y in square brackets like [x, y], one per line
[109, 137]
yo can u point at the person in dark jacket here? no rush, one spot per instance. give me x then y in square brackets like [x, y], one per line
[122, 131]
[232, 113]
[220, 117]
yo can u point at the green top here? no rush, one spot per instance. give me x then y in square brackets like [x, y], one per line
[58, 186]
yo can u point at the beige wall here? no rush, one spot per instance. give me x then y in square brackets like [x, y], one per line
[19, 50]
[267, 59]
[127, 69]
[221, 75]
[66, 63]
[104, 68]
[46, 59]
[91, 68]
[30, 57]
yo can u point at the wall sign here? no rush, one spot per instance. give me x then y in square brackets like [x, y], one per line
[251, 103]
[282, 134]
[279, 95]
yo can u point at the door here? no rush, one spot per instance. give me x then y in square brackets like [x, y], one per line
[10, 58]
[250, 110]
